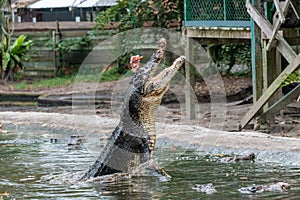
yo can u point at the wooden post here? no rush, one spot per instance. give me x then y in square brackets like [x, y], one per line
[275, 72]
[271, 69]
[256, 56]
[265, 63]
[284, 48]
[190, 79]
[57, 54]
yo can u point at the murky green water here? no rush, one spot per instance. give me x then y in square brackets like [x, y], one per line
[34, 168]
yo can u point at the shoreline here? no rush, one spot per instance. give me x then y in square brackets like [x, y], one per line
[267, 148]
[287, 122]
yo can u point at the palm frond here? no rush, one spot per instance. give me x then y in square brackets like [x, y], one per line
[291, 78]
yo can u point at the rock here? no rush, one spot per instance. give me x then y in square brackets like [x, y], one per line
[1, 128]
[208, 188]
[250, 157]
[251, 189]
[76, 142]
[276, 187]
[53, 140]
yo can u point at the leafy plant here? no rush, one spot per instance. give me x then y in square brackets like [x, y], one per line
[230, 54]
[292, 78]
[161, 13]
[68, 45]
[111, 74]
[13, 55]
[130, 14]
[64, 46]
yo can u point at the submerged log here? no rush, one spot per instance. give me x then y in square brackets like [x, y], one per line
[133, 140]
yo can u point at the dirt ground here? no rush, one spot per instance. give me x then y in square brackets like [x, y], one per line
[173, 111]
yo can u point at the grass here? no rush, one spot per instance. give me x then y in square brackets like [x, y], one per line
[44, 83]
[113, 74]
[109, 75]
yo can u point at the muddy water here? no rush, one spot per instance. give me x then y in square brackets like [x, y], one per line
[35, 167]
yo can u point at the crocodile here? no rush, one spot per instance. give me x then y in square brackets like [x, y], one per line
[250, 157]
[274, 187]
[133, 140]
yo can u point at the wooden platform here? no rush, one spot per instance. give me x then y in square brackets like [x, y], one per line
[218, 35]
[222, 35]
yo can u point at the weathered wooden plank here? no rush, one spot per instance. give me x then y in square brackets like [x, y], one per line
[42, 56]
[33, 33]
[280, 11]
[193, 32]
[190, 80]
[39, 73]
[280, 104]
[76, 25]
[39, 65]
[45, 26]
[271, 69]
[295, 10]
[73, 34]
[219, 35]
[270, 91]
[282, 46]
[206, 41]
[278, 22]
[256, 59]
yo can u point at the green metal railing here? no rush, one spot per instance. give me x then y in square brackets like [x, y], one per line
[216, 13]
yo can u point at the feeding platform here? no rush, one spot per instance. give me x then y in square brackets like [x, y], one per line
[271, 35]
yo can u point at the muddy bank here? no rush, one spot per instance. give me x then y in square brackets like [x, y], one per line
[286, 124]
[280, 150]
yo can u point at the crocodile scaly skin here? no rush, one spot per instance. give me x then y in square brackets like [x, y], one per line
[133, 140]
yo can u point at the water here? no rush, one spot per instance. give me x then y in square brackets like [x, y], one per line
[34, 168]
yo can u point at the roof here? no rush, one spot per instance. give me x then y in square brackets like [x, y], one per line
[53, 4]
[22, 3]
[96, 3]
[71, 3]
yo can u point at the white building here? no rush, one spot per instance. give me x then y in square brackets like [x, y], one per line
[59, 10]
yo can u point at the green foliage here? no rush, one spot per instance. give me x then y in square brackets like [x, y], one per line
[111, 74]
[229, 55]
[18, 75]
[130, 14]
[292, 78]
[12, 56]
[117, 13]
[67, 45]
[5, 3]
[126, 12]
[64, 46]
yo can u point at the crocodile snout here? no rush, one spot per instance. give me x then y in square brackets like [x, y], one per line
[179, 61]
